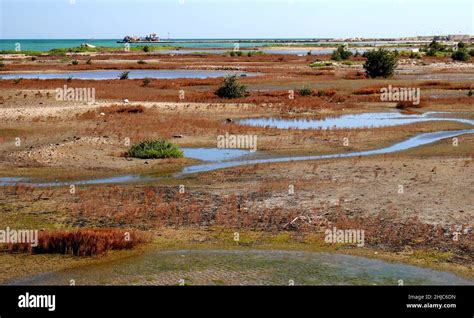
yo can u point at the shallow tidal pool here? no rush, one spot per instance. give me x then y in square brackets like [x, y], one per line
[253, 267]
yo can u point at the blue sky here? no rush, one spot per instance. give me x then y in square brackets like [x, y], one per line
[43, 19]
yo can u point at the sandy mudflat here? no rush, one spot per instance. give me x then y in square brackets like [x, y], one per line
[43, 139]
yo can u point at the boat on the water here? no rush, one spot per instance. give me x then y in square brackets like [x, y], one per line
[151, 38]
[87, 45]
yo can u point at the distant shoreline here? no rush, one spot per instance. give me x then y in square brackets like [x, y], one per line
[45, 45]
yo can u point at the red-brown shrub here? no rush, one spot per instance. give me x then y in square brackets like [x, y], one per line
[81, 242]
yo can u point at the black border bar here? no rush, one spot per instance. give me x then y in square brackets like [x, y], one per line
[266, 300]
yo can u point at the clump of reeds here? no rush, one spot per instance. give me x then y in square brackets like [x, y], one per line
[124, 109]
[124, 75]
[408, 104]
[81, 242]
[367, 91]
[114, 109]
[305, 91]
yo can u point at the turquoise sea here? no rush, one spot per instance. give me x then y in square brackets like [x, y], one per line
[48, 44]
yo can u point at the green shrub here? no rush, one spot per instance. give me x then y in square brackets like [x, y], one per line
[141, 62]
[305, 91]
[154, 149]
[380, 63]
[2, 64]
[146, 82]
[321, 93]
[17, 80]
[431, 52]
[461, 55]
[75, 62]
[89, 62]
[124, 75]
[462, 45]
[471, 52]
[470, 93]
[26, 52]
[146, 49]
[436, 46]
[231, 88]
[235, 53]
[341, 54]
[57, 52]
[436, 49]
[252, 53]
[318, 63]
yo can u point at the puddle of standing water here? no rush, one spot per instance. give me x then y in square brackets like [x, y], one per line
[416, 141]
[215, 159]
[352, 121]
[412, 75]
[254, 267]
[118, 179]
[204, 154]
[214, 154]
[134, 74]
